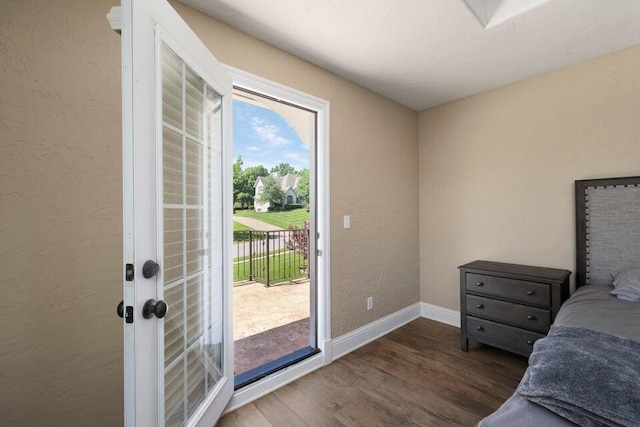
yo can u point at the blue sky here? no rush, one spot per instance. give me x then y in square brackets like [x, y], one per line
[262, 137]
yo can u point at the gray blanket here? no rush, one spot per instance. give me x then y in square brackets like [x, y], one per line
[599, 386]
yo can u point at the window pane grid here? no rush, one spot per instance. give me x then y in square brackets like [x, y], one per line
[193, 333]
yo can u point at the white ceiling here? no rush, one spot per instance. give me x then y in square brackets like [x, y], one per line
[423, 53]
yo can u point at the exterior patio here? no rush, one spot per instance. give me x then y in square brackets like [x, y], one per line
[269, 321]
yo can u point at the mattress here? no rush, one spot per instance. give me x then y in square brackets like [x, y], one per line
[590, 307]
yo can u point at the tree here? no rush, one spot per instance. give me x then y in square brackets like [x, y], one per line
[244, 199]
[272, 192]
[303, 185]
[251, 174]
[243, 181]
[283, 169]
[237, 179]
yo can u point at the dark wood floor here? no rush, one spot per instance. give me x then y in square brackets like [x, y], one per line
[416, 375]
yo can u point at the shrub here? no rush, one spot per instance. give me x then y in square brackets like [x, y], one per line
[299, 240]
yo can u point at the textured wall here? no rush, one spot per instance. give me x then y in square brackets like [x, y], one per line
[374, 171]
[60, 215]
[61, 203]
[497, 169]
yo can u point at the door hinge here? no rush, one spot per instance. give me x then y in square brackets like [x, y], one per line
[128, 272]
[319, 252]
[115, 18]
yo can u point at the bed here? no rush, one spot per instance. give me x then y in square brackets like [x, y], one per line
[592, 326]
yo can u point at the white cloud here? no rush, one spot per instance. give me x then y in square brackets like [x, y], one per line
[296, 160]
[266, 164]
[268, 132]
[253, 148]
[293, 156]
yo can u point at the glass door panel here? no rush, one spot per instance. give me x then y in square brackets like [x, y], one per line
[191, 238]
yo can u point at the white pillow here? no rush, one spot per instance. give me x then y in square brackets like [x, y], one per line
[627, 284]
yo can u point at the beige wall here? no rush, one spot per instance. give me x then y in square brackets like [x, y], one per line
[495, 179]
[60, 202]
[497, 169]
[60, 215]
[374, 170]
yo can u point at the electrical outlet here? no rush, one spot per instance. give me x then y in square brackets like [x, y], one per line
[369, 303]
[347, 222]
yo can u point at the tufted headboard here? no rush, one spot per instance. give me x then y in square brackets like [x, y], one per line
[607, 228]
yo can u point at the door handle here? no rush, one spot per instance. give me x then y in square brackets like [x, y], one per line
[120, 309]
[154, 308]
[150, 269]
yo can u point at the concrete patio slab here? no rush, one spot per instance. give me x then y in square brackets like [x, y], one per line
[269, 322]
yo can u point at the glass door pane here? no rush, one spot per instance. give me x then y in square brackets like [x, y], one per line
[191, 238]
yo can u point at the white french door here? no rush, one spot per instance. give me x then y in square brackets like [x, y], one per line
[177, 231]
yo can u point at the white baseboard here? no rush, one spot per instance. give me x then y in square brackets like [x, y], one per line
[440, 314]
[350, 341]
[326, 350]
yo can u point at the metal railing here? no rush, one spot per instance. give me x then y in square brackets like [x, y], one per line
[271, 257]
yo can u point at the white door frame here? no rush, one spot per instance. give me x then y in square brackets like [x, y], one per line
[275, 90]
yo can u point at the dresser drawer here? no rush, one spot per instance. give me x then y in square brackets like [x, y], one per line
[507, 337]
[537, 319]
[512, 289]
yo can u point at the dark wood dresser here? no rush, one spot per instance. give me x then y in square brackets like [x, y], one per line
[509, 306]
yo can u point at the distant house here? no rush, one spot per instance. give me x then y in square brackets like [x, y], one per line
[289, 184]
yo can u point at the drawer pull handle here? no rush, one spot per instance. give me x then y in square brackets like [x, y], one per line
[479, 284]
[480, 328]
[479, 306]
[530, 317]
[530, 342]
[530, 293]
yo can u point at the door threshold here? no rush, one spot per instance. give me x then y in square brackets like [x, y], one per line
[260, 372]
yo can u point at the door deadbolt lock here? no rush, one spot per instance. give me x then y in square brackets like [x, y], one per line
[150, 269]
[125, 312]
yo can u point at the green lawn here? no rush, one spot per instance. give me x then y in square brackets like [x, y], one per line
[238, 235]
[282, 268]
[272, 252]
[280, 219]
[240, 227]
